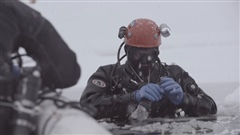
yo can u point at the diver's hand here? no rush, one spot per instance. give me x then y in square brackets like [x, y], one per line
[152, 92]
[172, 90]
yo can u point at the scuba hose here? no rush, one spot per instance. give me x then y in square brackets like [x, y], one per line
[117, 64]
[25, 99]
[22, 104]
[121, 33]
[21, 110]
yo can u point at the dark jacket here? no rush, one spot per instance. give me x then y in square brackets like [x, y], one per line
[112, 93]
[21, 26]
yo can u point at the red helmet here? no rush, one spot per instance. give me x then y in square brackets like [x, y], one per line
[143, 33]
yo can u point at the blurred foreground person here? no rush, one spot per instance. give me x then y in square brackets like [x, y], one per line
[144, 87]
[22, 26]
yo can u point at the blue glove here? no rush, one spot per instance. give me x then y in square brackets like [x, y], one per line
[172, 89]
[150, 91]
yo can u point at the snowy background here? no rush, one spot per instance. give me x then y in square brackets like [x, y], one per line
[204, 37]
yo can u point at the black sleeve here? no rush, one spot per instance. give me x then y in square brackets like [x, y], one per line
[98, 92]
[195, 102]
[59, 64]
[25, 27]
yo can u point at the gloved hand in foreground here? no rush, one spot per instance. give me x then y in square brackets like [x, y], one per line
[172, 90]
[150, 91]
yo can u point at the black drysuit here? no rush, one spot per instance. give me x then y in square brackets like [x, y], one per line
[113, 93]
[21, 26]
